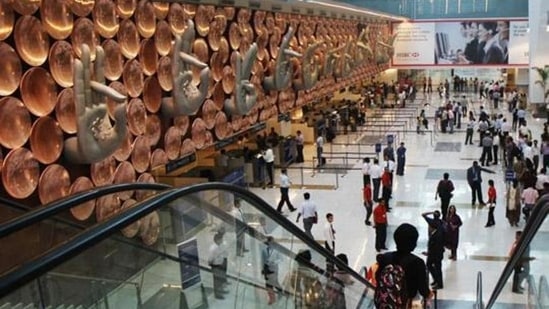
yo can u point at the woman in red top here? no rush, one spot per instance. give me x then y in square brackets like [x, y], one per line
[367, 194]
[387, 187]
[491, 203]
[380, 221]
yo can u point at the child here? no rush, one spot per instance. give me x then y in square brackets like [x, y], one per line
[491, 203]
[367, 194]
[380, 221]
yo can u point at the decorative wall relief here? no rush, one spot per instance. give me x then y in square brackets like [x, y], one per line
[344, 60]
[187, 97]
[364, 51]
[330, 61]
[310, 68]
[96, 138]
[385, 49]
[283, 69]
[245, 94]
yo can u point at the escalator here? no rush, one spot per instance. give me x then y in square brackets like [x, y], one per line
[98, 268]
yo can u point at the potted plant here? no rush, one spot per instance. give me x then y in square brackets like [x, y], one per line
[543, 81]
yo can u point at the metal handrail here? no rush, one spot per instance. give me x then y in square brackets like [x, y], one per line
[479, 302]
[537, 217]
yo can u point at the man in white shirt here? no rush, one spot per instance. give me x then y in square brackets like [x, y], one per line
[284, 188]
[527, 152]
[329, 233]
[375, 174]
[309, 212]
[215, 260]
[268, 156]
[366, 171]
[319, 149]
[239, 227]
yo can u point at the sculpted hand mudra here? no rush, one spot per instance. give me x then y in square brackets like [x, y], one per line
[96, 138]
[245, 95]
[187, 98]
[330, 61]
[345, 60]
[364, 51]
[310, 69]
[283, 68]
[385, 50]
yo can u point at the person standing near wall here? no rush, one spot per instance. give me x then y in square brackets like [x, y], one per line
[268, 155]
[401, 159]
[299, 142]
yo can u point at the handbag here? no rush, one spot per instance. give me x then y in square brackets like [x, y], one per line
[315, 219]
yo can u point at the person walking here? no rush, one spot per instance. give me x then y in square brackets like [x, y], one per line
[380, 224]
[320, 150]
[270, 259]
[329, 233]
[386, 187]
[469, 132]
[513, 204]
[435, 248]
[240, 228]
[401, 159]
[215, 261]
[309, 213]
[453, 222]
[487, 143]
[474, 178]
[444, 191]
[495, 147]
[529, 197]
[522, 268]
[375, 173]
[366, 171]
[491, 203]
[268, 155]
[299, 142]
[285, 184]
[368, 204]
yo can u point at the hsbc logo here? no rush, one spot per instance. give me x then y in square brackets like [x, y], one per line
[407, 55]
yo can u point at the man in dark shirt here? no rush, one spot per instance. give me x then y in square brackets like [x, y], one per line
[405, 237]
[435, 247]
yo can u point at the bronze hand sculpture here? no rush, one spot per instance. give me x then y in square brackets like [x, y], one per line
[245, 95]
[96, 138]
[283, 69]
[385, 50]
[330, 61]
[310, 69]
[187, 98]
[364, 51]
[344, 61]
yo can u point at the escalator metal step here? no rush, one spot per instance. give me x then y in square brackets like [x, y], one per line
[18, 306]
[5, 306]
[29, 306]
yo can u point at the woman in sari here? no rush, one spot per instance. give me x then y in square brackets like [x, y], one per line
[453, 222]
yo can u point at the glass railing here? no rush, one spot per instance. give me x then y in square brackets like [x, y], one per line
[528, 265]
[192, 252]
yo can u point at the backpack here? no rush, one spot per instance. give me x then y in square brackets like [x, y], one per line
[390, 291]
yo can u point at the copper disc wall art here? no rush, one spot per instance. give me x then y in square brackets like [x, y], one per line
[20, 173]
[57, 18]
[125, 8]
[31, 40]
[218, 96]
[25, 7]
[223, 49]
[243, 16]
[111, 104]
[152, 94]
[164, 73]
[177, 19]
[65, 111]
[158, 158]
[228, 79]
[198, 133]
[137, 116]
[223, 128]
[153, 130]
[128, 38]
[114, 62]
[172, 142]
[54, 183]
[216, 67]
[148, 56]
[84, 33]
[229, 12]
[40, 100]
[10, 70]
[105, 18]
[60, 60]
[145, 19]
[123, 153]
[187, 147]
[161, 10]
[182, 123]
[163, 38]
[141, 154]
[140, 195]
[83, 211]
[202, 20]
[46, 140]
[15, 123]
[132, 229]
[81, 7]
[106, 207]
[6, 20]
[102, 172]
[234, 35]
[214, 36]
[125, 173]
[150, 228]
[133, 77]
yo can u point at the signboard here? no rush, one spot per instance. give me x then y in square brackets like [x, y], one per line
[188, 253]
[462, 43]
[378, 147]
[183, 161]
[509, 175]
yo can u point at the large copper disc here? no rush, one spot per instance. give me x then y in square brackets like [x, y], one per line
[152, 94]
[164, 73]
[54, 183]
[111, 104]
[133, 78]
[148, 56]
[182, 123]
[6, 20]
[143, 194]
[214, 36]
[85, 210]
[153, 130]
[106, 207]
[177, 19]
[161, 10]
[20, 173]
[141, 154]
[172, 142]
[145, 19]
[84, 33]
[158, 158]
[209, 110]
[65, 111]
[198, 133]
[137, 116]
[128, 38]
[223, 49]
[234, 35]
[202, 20]
[218, 96]
[10, 70]
[223, 128]
[187, 147]
[229, 12]
[31, 40]
[216, 67]
[274, 42]
[46, 140]
[228, 79]
[40, 100]
[163, 38]
[132, 229]
[15, 123]
[105, 18]
[60, 60]
[150, 229]
[57, 18]
[123, 153]
[125, 8]
[102, 172]
[125, 173]
[81, 7]
[114, 62]
[25, 7]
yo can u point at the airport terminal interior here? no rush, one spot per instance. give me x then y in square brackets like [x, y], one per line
[212, 154]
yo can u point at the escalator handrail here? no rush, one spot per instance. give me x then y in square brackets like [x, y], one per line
[537, 217]
[14, 279]
[479, 302]
[53, 208]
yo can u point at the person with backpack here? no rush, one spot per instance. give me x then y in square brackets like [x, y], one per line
[435, 247]
[444, 191]
[401, 275]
